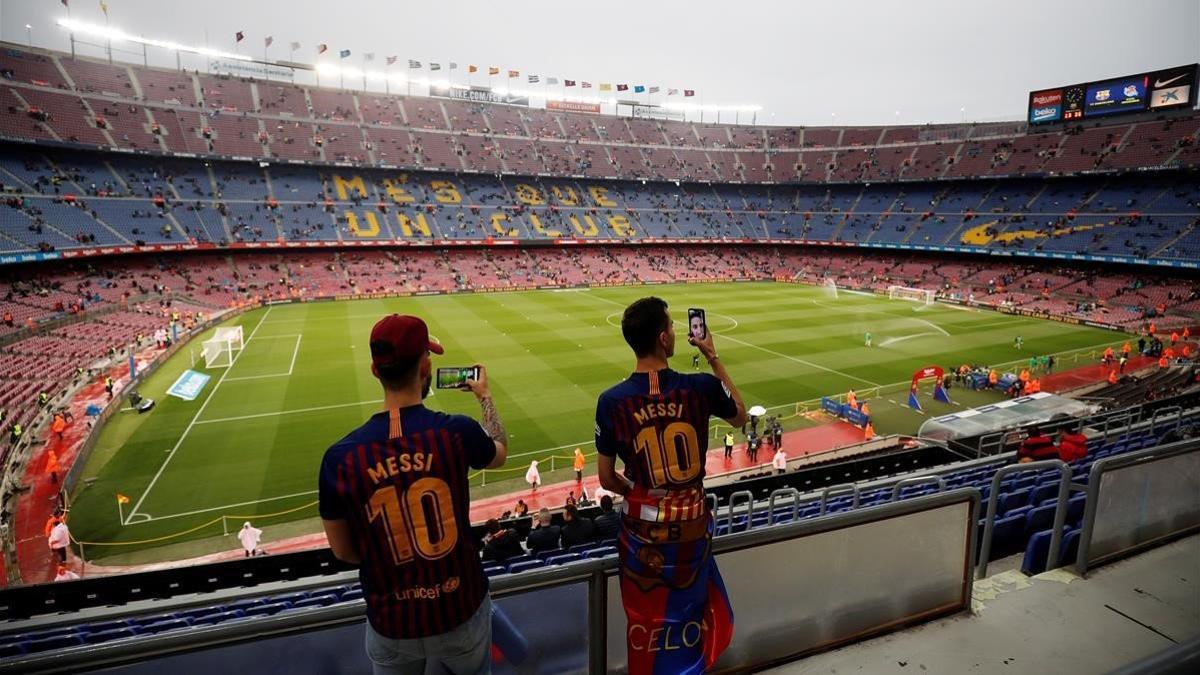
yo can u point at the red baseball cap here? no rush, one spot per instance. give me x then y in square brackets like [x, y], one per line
[400, 338]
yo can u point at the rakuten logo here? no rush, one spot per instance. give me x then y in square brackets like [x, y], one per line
[1048, 98]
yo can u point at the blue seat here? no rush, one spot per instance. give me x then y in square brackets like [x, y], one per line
[244, 604]
[317, 601]
[110, 634]
[563, 559]
[1075, 508]
[1013, 500]
[352, 594]
[267, 609]
[1039, 519]
[525, 566]
[542, 555]
[493, 571]
[101, 626]
[163, 626]
[1043, 492]
[1036, 551]
[51, 643]
[1007, 536]
[218, 617]
[600, 552]
[12, 649]
[519, 559]
[287, 597]
[578, 548]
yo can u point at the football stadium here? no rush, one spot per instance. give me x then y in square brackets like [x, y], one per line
[912, 390]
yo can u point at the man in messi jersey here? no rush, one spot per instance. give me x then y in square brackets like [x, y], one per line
[679, 618]
[394, 500]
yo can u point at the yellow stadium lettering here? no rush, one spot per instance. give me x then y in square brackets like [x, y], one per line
[528, 194]
[397, 194]
[537, 225]
[600, 195]
[565, 195]
[407, 224]
[370, 230]
[445, 192]
[590, 231]
[342, 185]
[498, 221]
[620, 225]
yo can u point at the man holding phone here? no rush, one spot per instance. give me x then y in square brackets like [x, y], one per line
[656, 421]
[394, 500]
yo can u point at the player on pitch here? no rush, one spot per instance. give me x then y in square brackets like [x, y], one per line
[679, 617]
[394, 500]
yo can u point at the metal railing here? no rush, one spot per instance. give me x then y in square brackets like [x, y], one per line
[595, 573]
[1060, 509]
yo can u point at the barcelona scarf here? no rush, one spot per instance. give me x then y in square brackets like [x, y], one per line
[679, 616]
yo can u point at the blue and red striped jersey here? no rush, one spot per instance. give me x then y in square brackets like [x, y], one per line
[657, 423]
[400, 482]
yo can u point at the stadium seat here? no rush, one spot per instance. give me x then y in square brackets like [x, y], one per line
[1038, 548]
[55, 642]
[600, 552]
[352, 594]
[267, 609]
[563, 559]
[218, 617]
[111, 634]
[1039, 518]
[12, 649]
[1044, 492]
[163, 626]
[525, 565]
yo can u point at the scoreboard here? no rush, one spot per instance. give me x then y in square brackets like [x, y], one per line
[1159, 90]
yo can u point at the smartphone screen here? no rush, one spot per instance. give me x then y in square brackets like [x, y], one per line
[697, 325]
[456, 378]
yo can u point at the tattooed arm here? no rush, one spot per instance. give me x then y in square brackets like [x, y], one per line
[491, 419]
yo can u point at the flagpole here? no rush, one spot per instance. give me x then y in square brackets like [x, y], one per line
[364, 73]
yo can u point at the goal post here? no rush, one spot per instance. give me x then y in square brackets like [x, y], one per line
[921, 295]
[220, 349]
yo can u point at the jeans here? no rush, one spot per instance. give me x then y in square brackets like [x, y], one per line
[466, 650]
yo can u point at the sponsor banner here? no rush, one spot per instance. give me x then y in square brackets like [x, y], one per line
[189, 385]
[479, 95]
[249, 69]
[14, 258]
[573, 106]
[1116, 96]
[651, 112]
[1174, 87]
[1045, 106]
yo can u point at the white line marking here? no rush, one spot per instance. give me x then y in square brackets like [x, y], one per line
[764, 349]
[902, 338]
[295, 351]
[288, 412]
[191, 424]
[230, 506]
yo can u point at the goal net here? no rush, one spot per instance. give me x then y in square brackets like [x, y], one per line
[915, 294]
[219, 351]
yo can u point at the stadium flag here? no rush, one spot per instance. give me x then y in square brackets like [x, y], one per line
[66, 3]
[639, 89]
[568, 83]
[295, 46]
[514, 73]
[391, 60]
[472, 69]
[322, 48]
[453, 66]
[672, 92]
[605, 86]
[534, 79]
[654, 90]
[414, 64]
[493, 70]
[369, 56]
[122, 499]
[239, 36]
[434, 66]
[586, 85]
[267, 41]
[551, 80]
[104, 8]
[689, 92]
[344, 53]
[622, 87]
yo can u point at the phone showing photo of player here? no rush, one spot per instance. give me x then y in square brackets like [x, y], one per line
[456, 378]
[697, 324]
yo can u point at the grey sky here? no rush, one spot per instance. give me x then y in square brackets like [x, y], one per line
[839, 62]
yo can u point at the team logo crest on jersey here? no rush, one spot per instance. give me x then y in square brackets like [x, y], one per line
[450, 585]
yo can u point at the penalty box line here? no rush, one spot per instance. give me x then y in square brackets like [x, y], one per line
[291, 366]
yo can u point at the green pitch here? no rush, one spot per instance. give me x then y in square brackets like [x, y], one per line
[250, 445]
